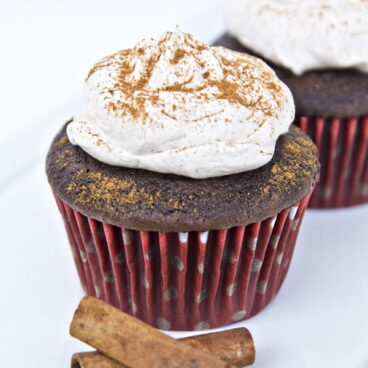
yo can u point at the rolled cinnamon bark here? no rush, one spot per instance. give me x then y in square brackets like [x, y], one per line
[132, 342]
[233, 346]
[94, 359]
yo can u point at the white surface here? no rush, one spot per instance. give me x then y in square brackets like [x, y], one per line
[47, 46]
[318, 320]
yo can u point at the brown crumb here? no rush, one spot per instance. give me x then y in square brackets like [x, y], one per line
[100, 187]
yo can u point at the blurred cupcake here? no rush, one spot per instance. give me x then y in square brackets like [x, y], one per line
[180, 183]
[319, 49]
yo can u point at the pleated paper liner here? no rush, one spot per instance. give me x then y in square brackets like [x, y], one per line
[185, 281]
[343, 151]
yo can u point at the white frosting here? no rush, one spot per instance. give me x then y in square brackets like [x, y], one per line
[175, 105]
[303, 35]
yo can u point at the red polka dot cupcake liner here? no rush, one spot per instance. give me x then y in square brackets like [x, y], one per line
[185, 281]
[343, 152]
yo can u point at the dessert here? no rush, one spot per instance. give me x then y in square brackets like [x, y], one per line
[182, 184]
[318, 49]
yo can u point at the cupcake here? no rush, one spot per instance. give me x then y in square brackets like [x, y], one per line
[319, 50]
[181, 183]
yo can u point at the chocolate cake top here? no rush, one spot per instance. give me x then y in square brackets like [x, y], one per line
[145, 200]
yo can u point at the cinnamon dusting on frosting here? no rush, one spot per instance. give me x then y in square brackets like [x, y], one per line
[176, 105]
[324, 34]
[235, 77]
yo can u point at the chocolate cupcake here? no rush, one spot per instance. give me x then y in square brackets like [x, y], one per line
[181, 183]
[318, 49]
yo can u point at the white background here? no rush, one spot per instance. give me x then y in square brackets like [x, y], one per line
[320, 317]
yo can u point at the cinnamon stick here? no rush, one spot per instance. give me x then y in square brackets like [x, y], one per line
[94, 359]
[132, 342]
[234, 346]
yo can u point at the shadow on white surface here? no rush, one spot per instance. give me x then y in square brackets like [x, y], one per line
[277, 356]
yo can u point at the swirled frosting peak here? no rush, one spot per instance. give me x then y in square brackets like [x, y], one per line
[303, 35]
[176, 105]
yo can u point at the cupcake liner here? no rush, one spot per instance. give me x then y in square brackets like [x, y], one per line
[343, 151]
[185, 281]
